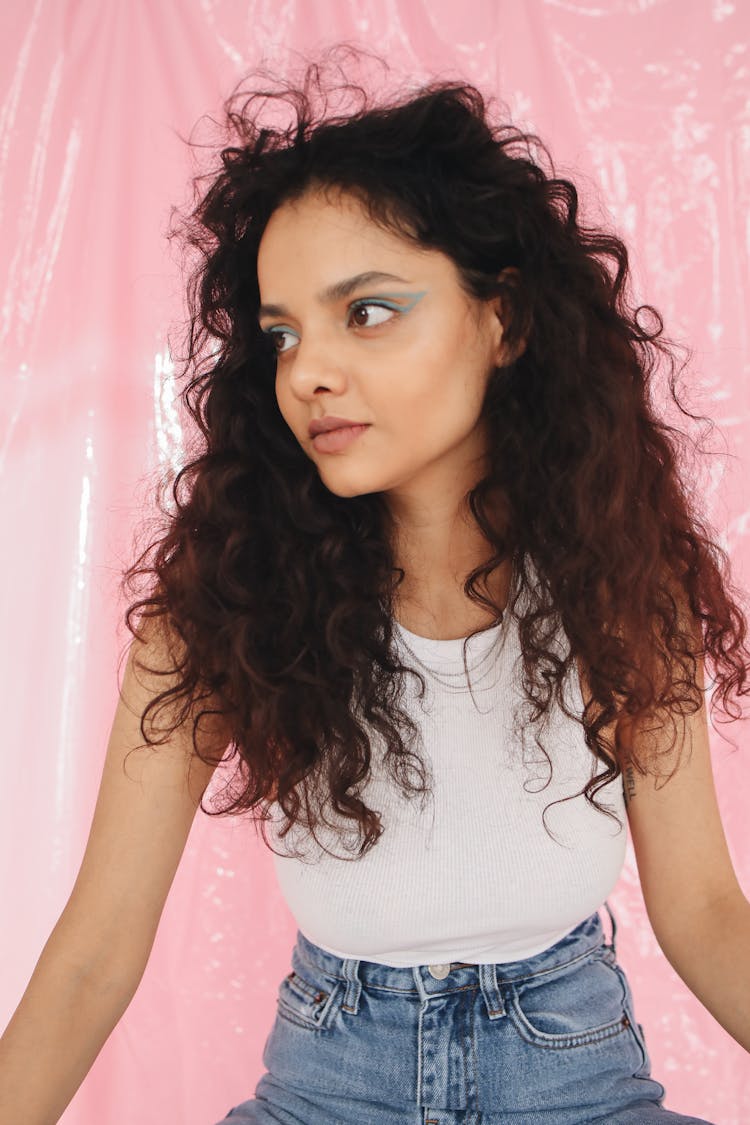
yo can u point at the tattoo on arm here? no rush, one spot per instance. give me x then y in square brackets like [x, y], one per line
[629, 784]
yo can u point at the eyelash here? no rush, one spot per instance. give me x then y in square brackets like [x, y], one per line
[362, 303]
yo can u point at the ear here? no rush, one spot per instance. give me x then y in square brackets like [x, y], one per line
[506, 353]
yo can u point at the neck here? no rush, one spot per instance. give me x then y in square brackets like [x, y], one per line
[446, 612]
[438, 547]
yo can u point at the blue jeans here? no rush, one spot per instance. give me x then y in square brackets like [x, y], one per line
[549, 1040]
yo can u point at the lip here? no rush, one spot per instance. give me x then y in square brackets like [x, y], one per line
[330, 422]
[338, 439]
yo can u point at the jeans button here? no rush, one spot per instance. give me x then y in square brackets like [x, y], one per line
[439, 972]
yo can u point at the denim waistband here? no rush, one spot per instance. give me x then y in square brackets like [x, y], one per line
[587, 936]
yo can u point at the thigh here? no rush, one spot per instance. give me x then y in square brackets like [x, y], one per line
[647, 1113]
[329, 1065]
[565, 1049]
[283, 1104]
[577, 1051]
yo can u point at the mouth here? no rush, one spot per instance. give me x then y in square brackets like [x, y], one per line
[334, 441]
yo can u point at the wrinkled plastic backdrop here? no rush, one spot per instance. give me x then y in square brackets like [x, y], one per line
[645, 102]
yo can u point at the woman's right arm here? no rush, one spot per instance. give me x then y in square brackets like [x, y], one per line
[94, 959]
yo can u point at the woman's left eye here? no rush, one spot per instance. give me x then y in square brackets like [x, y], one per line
[382, 312]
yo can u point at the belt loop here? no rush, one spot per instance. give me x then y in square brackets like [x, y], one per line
[350, 969]
[490, 991]
[614, 927]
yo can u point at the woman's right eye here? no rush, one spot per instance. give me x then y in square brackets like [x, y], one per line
[276, 334]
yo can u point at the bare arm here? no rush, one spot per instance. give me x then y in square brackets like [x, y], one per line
[694, 901]
[94, 959]
[698, 911]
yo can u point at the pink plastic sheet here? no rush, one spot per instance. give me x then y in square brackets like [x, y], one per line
[644, 102]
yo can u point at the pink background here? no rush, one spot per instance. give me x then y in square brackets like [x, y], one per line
[645, 102]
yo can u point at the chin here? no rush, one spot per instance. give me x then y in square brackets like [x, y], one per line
[346, 492]
[347, 487]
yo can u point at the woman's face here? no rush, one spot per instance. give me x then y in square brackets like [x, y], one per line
[407, 355]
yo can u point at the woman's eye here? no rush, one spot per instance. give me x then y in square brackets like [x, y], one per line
[362, 314]
[277, 335]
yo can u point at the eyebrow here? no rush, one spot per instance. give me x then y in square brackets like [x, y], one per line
[336, 292]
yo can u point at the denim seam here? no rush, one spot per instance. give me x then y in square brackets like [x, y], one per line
[473, 1094]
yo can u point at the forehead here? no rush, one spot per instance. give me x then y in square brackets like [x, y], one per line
[329, 231]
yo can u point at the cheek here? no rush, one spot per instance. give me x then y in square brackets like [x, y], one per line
[446, 385]
[283, 398]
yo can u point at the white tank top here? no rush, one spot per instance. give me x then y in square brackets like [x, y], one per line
[473, 875]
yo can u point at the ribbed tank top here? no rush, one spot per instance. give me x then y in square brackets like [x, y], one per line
[472, 875]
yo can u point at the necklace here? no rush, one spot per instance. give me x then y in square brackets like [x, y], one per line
[457, 682]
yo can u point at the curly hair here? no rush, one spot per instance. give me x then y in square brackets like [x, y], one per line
[281, 593]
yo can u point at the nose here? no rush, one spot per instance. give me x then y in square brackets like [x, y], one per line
[315, 367]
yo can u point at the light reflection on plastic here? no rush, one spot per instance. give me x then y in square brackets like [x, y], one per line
[169, 441]
[76, 630]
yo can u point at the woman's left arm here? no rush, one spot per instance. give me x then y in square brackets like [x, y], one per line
[696, 907]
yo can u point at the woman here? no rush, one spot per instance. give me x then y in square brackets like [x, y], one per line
[429, 448]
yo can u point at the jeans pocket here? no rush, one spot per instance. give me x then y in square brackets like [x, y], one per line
[306, 1001]
[586, 1003]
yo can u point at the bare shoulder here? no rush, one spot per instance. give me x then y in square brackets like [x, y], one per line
[150, 670]
[678, 836]
[683, 859]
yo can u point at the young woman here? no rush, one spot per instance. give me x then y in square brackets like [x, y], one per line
[436, 543]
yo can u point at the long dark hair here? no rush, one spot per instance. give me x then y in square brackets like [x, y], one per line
[281, 593]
